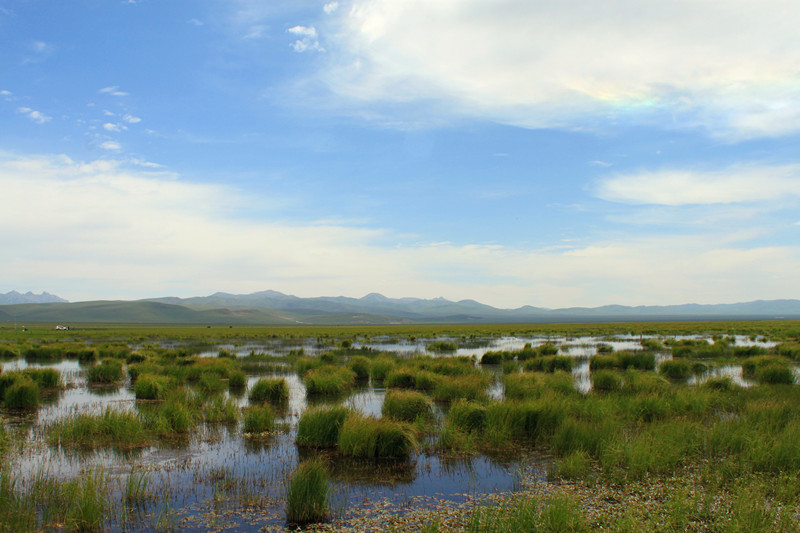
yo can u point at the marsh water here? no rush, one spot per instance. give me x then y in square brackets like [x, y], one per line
[218, 479]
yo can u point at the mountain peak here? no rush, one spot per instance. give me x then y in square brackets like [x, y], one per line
[374, 297]
[16, 297]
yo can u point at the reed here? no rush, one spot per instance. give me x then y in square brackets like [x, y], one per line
[360, 366]
[380, 367]
[220, 410]
[22, 394]
[677, 369]
[151, 387]
[550, 363]
[469, 387]
[469, 416]
[775, 374]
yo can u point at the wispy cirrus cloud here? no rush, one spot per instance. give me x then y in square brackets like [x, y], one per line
[732, 68]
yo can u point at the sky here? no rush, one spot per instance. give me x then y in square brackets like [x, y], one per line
[515, 152]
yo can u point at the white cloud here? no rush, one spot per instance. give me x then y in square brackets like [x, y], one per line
[109, 126]
[330, 7]
[732, 67]
[36, 116]
[195, 22]
[111, 146]
[741, 184]
[113, 90]
[130, 119]
[113, 230]
[308, 39]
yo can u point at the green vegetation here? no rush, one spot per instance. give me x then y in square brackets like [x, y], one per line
[258, 419]
[106, 373]
[319, 426]
[307, 493]
[329, 380]
[275, 391]
[372, 438]
[151, 387]
[117, 429]
[675, 369]
[406, 406]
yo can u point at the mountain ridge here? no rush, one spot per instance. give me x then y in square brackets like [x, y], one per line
[275, 308]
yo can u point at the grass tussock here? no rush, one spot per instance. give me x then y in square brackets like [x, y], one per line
[258, 419]
[329, 380]
[406, 406]
[112, 428]
[307, 493]
[319, 426]
[272, 390]
[108, 372]
[373, 438]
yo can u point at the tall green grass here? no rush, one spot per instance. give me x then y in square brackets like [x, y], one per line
[117, 429]
[368, 437]
[109, 371]
[406, 406]
[329, 381]
[319, 426]
[258, 419]
[273, 390]
[307, 493]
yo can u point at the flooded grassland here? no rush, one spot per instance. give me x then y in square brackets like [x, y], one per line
[625, 427]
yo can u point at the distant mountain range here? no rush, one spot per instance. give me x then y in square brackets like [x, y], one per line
[14, 297]
[275, 308]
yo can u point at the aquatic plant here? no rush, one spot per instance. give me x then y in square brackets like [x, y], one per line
[307, 492]
[551, 363]
[329, 381]
[319, 426]
[470, 387]
[237, 380]
[380, 367]
[360, 366]
[441, 346]
[23, 393]
[369, 437]
[467, 415]
[107, 372]
[675, 369]
[113, 428]
[45, 378]
[221, 410]
[151, 387]
[407, 406]
[258, 419]
[492, 358]
[775, 374]
[606, 380]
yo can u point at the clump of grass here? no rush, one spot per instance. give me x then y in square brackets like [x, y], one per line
[492, 358]
[211, 383]
[675, 369]
[406, 406]
[775, 374]
[360, 366]
[23, 393]
[576, 465]
[470, 387]
[604, 348]
[467, 416]
[523, 421]
[637, 381]
[117, 429]
[272, 390]
[523, 385]
[329, 381]
[561, 513]
[319, 426]
[151, 387]
[45, 378]
[550, 363]
[606, 380]
[441, 346]
[369, 437]
[752, 364]
[258, 419]
[719, 383]
[380, 367]
[237, 380]
[307, 493]
[86, 502]
[106, 373]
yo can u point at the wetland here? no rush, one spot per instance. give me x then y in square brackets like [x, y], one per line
[624, 427]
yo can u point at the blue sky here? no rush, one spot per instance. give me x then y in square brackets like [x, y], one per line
[514, 152]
